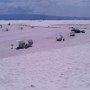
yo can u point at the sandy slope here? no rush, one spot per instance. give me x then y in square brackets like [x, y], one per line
[64, 69]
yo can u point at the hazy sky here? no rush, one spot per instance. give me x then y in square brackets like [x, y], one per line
[47, 7]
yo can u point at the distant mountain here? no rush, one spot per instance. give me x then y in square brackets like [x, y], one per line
[38, 17]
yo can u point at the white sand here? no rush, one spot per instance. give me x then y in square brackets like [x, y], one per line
[48, 65]
[44, 37]
[64, 69]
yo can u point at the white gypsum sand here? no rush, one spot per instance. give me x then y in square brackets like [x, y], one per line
[60, 69]
[48, 64]
[43, 34]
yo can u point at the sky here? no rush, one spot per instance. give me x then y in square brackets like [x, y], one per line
[76, 8]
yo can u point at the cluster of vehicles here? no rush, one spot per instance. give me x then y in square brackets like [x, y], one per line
[28, 43]
[72, 33]
[76, 30]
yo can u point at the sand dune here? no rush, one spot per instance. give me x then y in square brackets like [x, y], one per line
[48, 64]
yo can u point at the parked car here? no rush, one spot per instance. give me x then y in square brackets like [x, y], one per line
[83, 31]
[60, 38]
[24, 44]
[29, 43]
[75, 30]
[21, 44]
[72, 34]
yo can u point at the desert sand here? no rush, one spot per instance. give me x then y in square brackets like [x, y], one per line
[48, 64]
